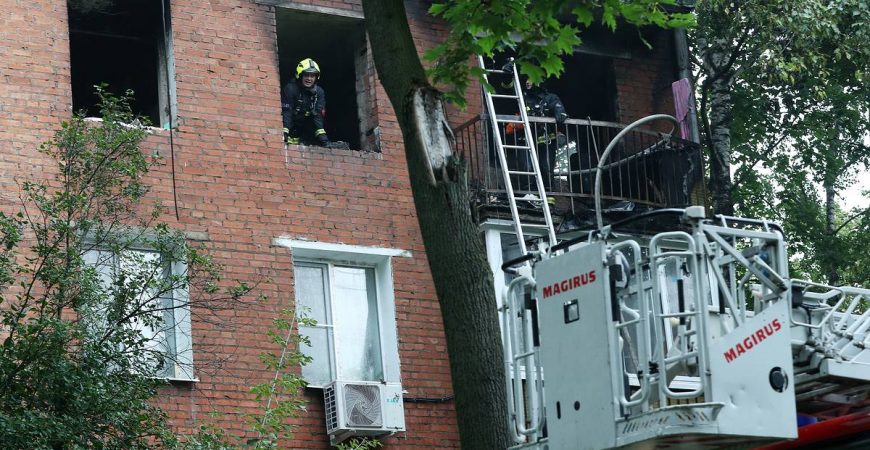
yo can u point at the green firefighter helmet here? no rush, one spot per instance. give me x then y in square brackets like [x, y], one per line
[307, 65]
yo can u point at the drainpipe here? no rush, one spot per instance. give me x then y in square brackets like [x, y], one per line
[681, 49]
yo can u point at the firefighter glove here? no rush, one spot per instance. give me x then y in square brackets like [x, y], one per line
[560, 118]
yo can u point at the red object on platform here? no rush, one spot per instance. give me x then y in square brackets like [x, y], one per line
[824, 432]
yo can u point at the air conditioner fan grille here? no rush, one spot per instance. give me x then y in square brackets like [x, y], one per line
[363, 405]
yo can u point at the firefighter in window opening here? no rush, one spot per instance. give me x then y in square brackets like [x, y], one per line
[541, 103]
[303, 105]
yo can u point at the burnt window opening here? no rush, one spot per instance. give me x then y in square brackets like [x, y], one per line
[125, 45]
[586, 87]
[338, 45]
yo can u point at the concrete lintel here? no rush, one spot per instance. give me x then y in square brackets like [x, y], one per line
[290, 4]
[315, 246]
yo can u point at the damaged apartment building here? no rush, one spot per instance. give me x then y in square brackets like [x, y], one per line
[332, 229]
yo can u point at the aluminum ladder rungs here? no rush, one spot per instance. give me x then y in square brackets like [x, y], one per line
[498, 122]
[534, 225]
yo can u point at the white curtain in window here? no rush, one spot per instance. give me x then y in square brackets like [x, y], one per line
[357, 332]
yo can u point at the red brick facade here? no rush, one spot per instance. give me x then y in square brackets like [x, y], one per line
[643, 82]
[235, 181]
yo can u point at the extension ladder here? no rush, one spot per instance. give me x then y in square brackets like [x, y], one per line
[522, 360]
[526, 150]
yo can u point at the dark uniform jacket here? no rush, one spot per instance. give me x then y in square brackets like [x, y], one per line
[542, 103]
[303, 109]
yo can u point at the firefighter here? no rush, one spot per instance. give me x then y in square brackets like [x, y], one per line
[303, 105]
[541, 103]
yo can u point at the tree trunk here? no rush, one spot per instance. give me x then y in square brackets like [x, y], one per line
[719, 77]
[454, 249]
[833, 273]
[720, 153]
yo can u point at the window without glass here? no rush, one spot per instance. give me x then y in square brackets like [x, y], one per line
[126, 45]
[142, 294]
[338, 45]
[586, 88]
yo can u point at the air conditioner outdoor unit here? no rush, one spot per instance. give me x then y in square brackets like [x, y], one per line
[362, 408]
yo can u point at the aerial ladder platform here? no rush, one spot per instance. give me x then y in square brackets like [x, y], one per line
[692, 337]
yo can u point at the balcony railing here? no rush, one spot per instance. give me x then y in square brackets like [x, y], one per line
[646, 169]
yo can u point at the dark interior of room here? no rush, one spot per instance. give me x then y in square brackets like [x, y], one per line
[116, 43]
[334, 43]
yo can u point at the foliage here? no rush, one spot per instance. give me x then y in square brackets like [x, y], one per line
[76, 365]
[280, 397]
[541, 32]
[795, 76]
[782, 43]
[359, 444]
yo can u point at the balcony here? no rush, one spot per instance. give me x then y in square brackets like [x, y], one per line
[646, 169]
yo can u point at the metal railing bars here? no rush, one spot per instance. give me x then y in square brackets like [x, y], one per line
[646, 168]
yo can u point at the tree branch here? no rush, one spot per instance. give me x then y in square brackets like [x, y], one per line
[865, 211]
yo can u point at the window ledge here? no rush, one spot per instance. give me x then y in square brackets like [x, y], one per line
[181, 381]
[353, 252]
[289, 4]
[369, 154]
[148, 129]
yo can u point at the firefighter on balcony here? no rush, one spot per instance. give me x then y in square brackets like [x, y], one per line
[303, 104]
[542, 103]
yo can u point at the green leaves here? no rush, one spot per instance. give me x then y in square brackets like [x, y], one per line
[584, 15]
[61, 388]
[800, 109]
[359, 444]
[609, 12]
[76, 368]
[538, 31]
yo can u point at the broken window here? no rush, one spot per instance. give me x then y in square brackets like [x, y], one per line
[587, 87]
[338, 45]
[125, 45]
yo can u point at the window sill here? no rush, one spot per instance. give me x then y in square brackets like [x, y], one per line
[368, 154]
[178, 381]
[148, 129]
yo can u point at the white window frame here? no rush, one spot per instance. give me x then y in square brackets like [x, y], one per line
[380, 260]
[179, 365]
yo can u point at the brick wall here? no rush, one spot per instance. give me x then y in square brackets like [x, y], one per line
[34, 87]
[236, 183]
[230, 156]
[643, 82]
